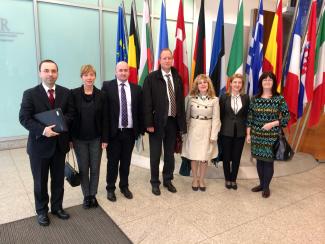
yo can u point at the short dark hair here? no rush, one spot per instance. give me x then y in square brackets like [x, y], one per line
[274, 85]
[47, 61]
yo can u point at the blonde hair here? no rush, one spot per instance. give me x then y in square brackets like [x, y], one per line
[239, 76]
[195, 88]
[87, 68]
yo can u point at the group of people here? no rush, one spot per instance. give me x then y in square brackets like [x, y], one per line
[113, 118]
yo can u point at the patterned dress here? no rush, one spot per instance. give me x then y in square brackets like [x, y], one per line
[262, 111]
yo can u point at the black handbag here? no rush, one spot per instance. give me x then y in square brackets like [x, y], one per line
[185, 169]
[70, 172]
[282, 150]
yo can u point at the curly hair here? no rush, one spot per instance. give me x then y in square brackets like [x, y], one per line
[195, 88]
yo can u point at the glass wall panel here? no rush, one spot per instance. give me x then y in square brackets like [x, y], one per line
[113, 4]
[18, 65]
[90, 3]
[72, 39]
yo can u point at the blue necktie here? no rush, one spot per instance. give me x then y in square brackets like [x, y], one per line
[124, 107]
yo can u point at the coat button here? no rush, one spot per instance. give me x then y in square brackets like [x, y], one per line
[198, 106]
[206, 107]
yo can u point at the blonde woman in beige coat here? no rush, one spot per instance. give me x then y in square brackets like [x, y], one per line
[203, 124]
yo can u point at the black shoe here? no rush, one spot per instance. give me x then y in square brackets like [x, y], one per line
[111, 196]
[202, 188]
[266, 193]
[86, 202]
[257, 188]
[234, 185]
[93, 202]
[228, 185]
[195, 188]
[43, 219]
[170, 187]
[127, 193]
[156, 190]
[61, 214]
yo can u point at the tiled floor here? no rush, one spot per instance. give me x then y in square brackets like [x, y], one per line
[295, 212]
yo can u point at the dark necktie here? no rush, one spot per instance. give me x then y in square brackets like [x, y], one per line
[51, 97]
[171, 96]
[124, 107]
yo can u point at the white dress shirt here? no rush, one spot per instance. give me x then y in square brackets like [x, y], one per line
[46, 88]
[236, 103]
[127, 89]
[166, 81]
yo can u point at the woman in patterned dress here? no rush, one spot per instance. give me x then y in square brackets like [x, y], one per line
[267, 111]
[203, 124]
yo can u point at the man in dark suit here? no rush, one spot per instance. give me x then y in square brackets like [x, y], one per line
[45, 147]
[124, 101]
[164, 116]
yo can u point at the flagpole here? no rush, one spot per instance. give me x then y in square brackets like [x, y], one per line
[135, 17]
[307, 114]
[125, 25]
[285, 63]
[303, 126]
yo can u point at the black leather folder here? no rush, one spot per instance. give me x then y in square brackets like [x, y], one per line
[53, 117]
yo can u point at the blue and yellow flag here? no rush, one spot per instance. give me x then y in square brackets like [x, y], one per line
[121, 47]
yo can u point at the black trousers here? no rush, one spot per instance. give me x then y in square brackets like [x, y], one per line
[40, 170]
[265, 172]
[119, 150]
[156, 142]
[232, 150]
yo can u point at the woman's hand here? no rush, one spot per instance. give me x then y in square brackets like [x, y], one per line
[248, 139]
[270, 125]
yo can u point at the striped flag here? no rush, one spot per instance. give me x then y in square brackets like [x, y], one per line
[273, 54]
[199, 55]
[146, 57]
[318, 102]
[180, 52]
[236, 57]
[217, 71]
[306, 88]
[134, 48]
[162, 38]
[255, 54]
[292, 70]
[121, 52]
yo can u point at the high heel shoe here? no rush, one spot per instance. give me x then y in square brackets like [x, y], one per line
[194, 188]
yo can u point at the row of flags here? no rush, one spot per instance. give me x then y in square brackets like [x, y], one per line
[302, 76]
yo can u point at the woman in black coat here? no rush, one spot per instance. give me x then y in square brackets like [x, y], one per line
[89, 132]
[233, 114]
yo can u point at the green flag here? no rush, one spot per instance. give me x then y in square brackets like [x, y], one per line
[236, 57]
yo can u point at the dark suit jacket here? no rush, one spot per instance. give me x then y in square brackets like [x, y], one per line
[229, 119]
[113, 107]
[101, 115]
[155, 101]
[35, 100]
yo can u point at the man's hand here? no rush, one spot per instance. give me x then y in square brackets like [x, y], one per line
[151, 129]
[48, 132]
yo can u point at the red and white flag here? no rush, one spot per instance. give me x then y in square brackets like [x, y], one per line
[318, 102]
[180, 51]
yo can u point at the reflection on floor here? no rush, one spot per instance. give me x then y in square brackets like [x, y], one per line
[295, 212]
